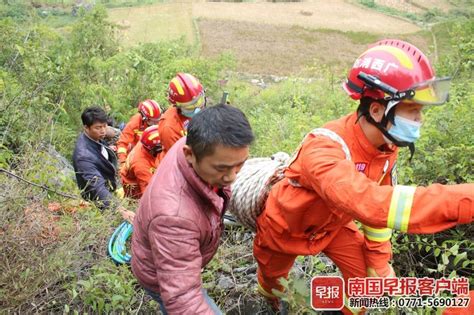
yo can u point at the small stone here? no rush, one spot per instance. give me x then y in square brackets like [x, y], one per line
[225, 283]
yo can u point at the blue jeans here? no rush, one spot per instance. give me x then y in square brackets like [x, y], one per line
[155, 296]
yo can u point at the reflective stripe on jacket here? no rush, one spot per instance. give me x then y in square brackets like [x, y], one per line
[335, 191]
[130, 136]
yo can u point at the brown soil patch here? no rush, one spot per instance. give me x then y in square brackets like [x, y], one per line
[269, 38]
[38, 226]
[319, 14]
[281, 50]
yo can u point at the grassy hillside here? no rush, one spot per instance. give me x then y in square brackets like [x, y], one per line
[53, 245]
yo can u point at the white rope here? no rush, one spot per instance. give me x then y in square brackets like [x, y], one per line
[253, 183]
[258, 175]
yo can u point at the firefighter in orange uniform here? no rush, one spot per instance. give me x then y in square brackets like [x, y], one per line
[187, 97]
[140, 164]
[149, 113]
[346, 171]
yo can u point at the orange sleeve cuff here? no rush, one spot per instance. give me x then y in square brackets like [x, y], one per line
[466, 211]
[377, 254]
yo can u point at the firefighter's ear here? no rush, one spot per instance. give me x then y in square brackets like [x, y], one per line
[377, 111]
[189, 154]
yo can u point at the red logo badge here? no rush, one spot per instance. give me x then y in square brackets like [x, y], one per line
[327, 293]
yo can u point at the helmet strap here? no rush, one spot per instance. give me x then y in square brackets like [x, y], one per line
[156, 150]
[388, 117]
[381, 126]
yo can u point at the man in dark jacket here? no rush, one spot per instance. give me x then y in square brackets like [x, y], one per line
[179, 223]
[95, 163]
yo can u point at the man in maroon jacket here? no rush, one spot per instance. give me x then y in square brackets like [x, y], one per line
[179, 222]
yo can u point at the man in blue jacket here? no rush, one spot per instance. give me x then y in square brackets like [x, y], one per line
[95, 163]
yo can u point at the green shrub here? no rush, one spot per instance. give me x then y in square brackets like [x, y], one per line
[48, 79]
[19, 11]
[56, 261]
[108, 288]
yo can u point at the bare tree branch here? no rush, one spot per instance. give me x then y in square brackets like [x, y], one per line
[38, 185]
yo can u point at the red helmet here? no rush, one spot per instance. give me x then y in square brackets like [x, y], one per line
[186, 92]
[151, 138]
[150, 110]
[395, 70]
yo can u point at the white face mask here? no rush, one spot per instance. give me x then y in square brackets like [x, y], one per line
[405, 130]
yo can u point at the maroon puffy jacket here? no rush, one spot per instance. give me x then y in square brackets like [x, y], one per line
[176, 232]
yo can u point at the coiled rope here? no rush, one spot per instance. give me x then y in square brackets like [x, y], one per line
[116, 247]
[258, 175]
[253, 183]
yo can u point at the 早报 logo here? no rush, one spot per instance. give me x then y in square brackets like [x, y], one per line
[327, 293]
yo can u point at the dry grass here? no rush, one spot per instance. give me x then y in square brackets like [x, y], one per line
[166, 21]
[335, 14]
[268, 49]
[283, 50]
[154, 23]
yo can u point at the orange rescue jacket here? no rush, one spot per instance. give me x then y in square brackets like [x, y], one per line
[172, 127]
[137, 171]
[333, 191]
[130, 136]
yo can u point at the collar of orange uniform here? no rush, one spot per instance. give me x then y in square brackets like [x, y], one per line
[368, 148]
[182, 118]
[172, 114]
[145, 151]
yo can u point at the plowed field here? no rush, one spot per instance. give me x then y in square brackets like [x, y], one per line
[271, 38]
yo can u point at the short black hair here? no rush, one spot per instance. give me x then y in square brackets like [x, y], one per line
[364, 109]
[93, 114]
[221, 124]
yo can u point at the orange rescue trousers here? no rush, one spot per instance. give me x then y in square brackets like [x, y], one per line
[345, 249]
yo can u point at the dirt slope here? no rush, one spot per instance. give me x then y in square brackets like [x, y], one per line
[267, 38]
[334, 14]
[283, 50]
